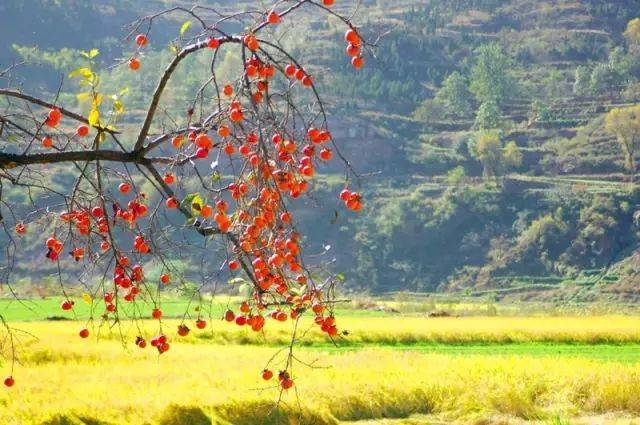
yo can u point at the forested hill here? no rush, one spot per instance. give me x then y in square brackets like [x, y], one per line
[489, 134]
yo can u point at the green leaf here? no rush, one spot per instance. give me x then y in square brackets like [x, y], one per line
[117, 107]
[184, 27]
[173, 48]
[340, 277]
[190, 221]
[187, 199]
[215, 176]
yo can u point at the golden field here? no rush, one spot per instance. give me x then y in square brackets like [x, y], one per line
[416, 369]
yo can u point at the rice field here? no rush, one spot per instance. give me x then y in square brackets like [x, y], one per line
[390, 369]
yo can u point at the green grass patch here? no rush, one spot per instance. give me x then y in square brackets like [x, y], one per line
[621, 353]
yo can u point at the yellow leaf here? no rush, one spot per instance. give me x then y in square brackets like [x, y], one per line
[94, 117]
[83, 97]
[196, 205]
[173, 48]
[97, 100]
[184, 27]
[87, 298]
[84, 72]
[93, 53]
[102, 136]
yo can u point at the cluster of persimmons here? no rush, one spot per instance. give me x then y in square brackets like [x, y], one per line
[276, 165]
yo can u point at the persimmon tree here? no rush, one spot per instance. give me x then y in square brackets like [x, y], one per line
[266, 131]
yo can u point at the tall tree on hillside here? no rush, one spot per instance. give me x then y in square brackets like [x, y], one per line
[454, 95]
[582, 83]
[632, 33]
[492, 76]
[489, 116]
[624, 123]
[495, 158]
[512, 155]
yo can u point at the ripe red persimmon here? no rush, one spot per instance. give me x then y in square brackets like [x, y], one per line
[351, 36]
[172, 203]
[82, 130]
[326, 154]
[206, 211]
[273, 17]
[202, 153]
[134, 64]
[165, 278]
[9, 381]
[97, 212]
[55, 115]
[267, 374]
[236, 115]
[251, 42]
[290, 70]
[141, 40]
[176, 142]
[213, 43]
[317, 308]
[307, 81]
[21, 228]
[353, 50]
[229, 316]
[124, 187]
[201, 324]
[156, 313]
[84, 333]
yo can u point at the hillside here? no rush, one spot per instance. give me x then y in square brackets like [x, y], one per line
[478, 131]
